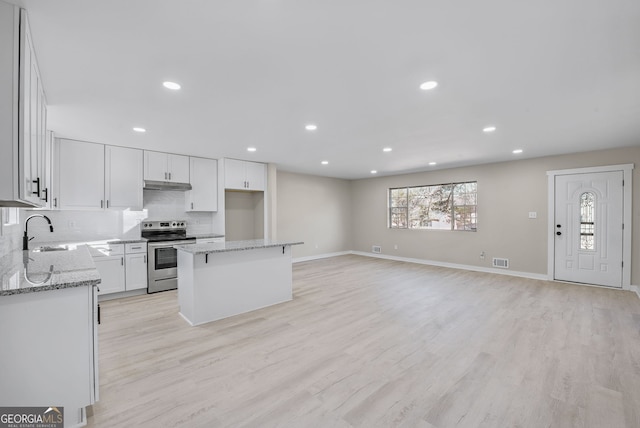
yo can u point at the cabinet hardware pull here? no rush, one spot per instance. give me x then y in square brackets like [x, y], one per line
[37, 181]
[101, 203]
[122, 261]
[46, 195]
[169, 176]
[191, 205]
[165, 175]
[107, 203]
[55, 202]
[135, 248]
[145, 258]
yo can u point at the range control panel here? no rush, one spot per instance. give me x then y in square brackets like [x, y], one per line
[164, 225]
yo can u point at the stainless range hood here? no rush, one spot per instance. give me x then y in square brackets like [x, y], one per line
[165, 185]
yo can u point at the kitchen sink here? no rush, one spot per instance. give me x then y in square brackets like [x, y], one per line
[47, 249]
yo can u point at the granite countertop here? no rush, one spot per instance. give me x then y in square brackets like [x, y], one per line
[126, 241]
[31, 271]
[223, 247]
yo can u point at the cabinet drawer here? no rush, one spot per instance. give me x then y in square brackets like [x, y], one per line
[139, 247]
[108, 249]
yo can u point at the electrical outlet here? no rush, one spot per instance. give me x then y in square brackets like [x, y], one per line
[482, 255]
[395, 247]
[72, 224]
[533, 214]
[316, 246]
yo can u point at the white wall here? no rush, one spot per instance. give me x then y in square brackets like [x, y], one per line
[316, 210]
[244, 215]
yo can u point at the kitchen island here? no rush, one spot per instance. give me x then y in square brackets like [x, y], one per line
[220, 280]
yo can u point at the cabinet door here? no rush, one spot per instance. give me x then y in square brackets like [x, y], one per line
[123, 178]
[111, 270]
[255, 175]
[178, 168]
[136, 271]
[155, 166]
[28, 116]
[204, 182]
[81, 175]
[234, 174]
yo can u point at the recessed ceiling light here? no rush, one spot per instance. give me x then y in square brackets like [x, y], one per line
[387, 149]
[171, 85]
[428, 85]
[489, 128]
[139, 129]
[373, 171]
[517, 151]
[311, 127]
[432, 163]
[251, 149]
[325, 162]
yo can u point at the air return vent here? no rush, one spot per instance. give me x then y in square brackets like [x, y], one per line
[376, 249]
[501, 263]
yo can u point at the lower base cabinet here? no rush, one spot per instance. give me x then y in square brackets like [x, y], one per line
[49, 350]
[111, 269]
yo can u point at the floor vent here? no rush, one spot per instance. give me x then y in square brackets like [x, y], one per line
[501, 263]
[376, 249]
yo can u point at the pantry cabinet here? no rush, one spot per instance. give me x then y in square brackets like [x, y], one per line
[167, 167]
[23, 113]
[203, 195]
[244, 175]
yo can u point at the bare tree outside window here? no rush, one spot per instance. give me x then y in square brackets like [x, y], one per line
[444, 206]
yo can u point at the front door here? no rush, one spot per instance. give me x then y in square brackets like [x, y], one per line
[588, 228]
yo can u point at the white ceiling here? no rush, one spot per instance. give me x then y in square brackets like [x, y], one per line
[552, 76]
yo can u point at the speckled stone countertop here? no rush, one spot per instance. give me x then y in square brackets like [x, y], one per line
[126, 241]
[31, 271]
[223, 247]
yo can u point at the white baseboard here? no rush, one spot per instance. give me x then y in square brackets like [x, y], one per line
[529, 275]
[635, 289]
[320, 256]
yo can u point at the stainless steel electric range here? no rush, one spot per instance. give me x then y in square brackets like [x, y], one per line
[161, 236]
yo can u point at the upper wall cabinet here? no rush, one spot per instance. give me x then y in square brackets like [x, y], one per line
[203, 195]
[167, 167]
[244, 175]
[23, 114]
[94, 176]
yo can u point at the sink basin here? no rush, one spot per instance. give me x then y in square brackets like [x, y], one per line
[47, 249]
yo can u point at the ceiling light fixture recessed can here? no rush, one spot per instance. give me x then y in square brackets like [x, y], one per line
[325, 162]
[433, 163]
[171, 85]
[517, 151]
[373, 171]
[311, 127]
[428, 85]
[490, 128]
[387, 149]
[251, 149]
[139, 129]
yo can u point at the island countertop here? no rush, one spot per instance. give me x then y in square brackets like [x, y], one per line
[224, 247]
[32, 271]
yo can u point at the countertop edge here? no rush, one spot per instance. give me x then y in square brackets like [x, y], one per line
[190, 248]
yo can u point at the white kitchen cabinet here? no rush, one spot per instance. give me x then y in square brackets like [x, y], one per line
[93, 176]
[244, 175]
[167, 167]
[110, 265]
[203, 195]
[49, 351]
[123, 179]
[135, 266]
[81, 175]
[23, 113]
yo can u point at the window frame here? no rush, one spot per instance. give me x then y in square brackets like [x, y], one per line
[392, 210]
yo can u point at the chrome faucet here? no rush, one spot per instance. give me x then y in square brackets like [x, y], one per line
[25, 238]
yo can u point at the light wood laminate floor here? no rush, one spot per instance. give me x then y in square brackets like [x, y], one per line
[377, 343]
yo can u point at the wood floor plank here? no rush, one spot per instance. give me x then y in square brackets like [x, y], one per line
[379, 343]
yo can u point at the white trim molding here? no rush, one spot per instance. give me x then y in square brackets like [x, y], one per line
[627, 170]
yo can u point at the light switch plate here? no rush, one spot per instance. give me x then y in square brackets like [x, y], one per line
[533, 214]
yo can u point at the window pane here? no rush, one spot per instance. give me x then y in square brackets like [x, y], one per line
[398, 197]
[398, 218]
[587, 221]
[430, 207]
[465, 206]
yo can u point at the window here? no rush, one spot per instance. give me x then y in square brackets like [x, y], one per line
[587, 221]
[8, 217]
[445, 206]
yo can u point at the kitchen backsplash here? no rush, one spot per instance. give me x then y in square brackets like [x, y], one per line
[100, 225]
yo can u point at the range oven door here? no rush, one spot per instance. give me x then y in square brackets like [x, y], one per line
[163, 266]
